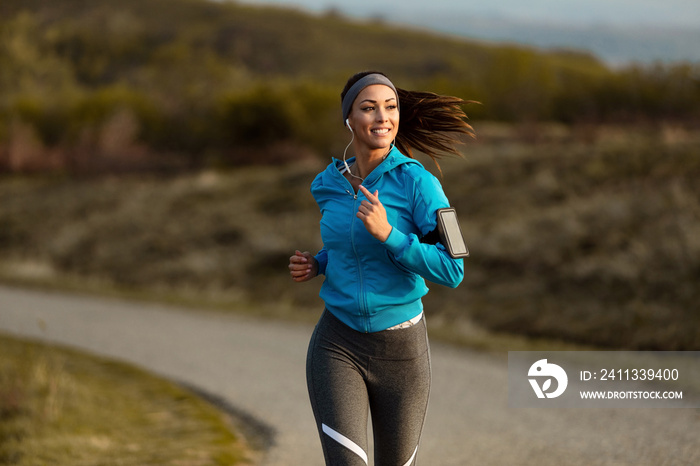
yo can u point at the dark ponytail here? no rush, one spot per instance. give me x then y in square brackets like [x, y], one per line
[429, 123]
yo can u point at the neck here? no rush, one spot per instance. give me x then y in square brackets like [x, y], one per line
[367, 161]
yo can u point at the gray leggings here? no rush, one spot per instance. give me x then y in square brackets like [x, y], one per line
[349, 373]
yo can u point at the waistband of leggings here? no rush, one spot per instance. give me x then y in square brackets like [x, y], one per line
[408, 323]
[405, 343]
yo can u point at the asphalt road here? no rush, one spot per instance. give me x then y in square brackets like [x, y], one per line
[256, 368]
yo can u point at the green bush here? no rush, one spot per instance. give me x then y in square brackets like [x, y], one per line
[95, 108]
[272, 114]
[262, 116]
[47, 118]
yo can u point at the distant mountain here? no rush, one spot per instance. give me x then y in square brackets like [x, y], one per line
[615, 44]
[616, 31]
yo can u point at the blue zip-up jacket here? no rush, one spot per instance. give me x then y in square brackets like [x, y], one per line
[370, 285]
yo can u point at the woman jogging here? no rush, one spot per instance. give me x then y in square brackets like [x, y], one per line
[369, 350]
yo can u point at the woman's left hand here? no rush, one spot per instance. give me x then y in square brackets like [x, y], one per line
[373, 215]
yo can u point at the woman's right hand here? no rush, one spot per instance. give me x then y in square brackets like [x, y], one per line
[302, 266]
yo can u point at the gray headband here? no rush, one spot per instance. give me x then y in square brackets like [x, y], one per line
[356, 88]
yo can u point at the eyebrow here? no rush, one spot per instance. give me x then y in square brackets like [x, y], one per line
[374, 101]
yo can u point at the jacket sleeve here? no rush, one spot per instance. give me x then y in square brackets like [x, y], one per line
[322, 259]
[431, 261]
[322, 255]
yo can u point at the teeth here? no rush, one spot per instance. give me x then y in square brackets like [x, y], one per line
[380, 131]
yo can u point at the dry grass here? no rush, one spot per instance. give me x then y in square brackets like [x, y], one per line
[587, 235]
[592, 242]
[62, 407]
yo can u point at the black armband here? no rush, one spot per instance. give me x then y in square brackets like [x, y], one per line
[448, 233]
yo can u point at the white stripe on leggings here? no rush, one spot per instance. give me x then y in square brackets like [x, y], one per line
[413, 456]
[347, 443]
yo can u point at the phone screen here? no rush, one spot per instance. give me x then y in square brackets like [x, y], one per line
[453, 233]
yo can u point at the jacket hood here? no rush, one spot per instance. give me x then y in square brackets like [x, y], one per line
[393, 159]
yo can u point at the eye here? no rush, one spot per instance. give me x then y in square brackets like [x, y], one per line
[391, 107]
[367, 109]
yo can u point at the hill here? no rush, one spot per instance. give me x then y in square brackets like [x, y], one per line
[197, 82]
[263, 41]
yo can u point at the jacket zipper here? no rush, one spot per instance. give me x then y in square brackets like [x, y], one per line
[361, 295]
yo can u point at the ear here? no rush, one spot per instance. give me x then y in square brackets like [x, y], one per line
[347, 123]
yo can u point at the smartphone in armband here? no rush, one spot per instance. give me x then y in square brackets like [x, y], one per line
[451, 233]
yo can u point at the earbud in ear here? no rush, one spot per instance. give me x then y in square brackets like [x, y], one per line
[347, 123]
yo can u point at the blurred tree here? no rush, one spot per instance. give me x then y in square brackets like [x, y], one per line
[26, 65]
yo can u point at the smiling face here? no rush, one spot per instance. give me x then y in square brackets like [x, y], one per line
[374, 117]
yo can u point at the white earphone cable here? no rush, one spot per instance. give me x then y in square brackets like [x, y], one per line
[347, 167]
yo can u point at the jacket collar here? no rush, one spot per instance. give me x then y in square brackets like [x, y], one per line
[393, 159]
